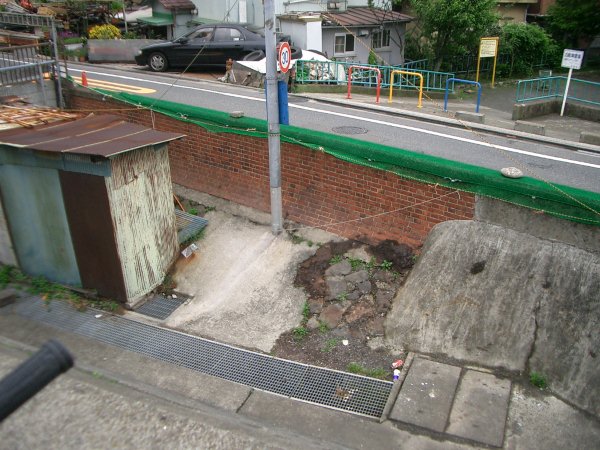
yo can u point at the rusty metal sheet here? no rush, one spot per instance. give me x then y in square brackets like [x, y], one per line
[92, 233]
[104, 135]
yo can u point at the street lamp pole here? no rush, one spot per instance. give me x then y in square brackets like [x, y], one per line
[273, 119]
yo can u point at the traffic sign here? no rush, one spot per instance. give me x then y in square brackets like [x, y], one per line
[285, 57]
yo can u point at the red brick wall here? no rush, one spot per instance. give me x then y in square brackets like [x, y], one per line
[318, 189]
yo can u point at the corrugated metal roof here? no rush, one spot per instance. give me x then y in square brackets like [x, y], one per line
[104, 135]
[365, 16]
[177, 4]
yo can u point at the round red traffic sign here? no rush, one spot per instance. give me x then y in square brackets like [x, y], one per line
[285, 57]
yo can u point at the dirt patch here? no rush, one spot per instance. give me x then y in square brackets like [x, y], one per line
[350, 286]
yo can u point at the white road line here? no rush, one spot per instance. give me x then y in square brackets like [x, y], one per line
[363, 119]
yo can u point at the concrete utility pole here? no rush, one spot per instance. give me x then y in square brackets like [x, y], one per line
[273, 118]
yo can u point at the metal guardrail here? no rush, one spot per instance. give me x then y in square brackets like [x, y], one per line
[554, 87]
[335, 72]
[24, 63]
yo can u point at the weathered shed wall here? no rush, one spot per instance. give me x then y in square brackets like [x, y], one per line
[7, 253]
[141, 199]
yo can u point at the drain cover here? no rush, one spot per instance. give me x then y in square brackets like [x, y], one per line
[294, 99]
[325, 387]
[160, 307]
[349, 130]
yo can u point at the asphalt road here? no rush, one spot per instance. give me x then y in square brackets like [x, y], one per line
[546, 162]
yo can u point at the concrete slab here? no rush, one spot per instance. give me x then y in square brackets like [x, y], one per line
[530, 127]
[426, 395]
[537, 420]
[480, 408]
[335, 428]
[242, 277]
[470, 116]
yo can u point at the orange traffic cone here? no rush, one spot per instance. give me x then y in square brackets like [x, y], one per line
[83, 79]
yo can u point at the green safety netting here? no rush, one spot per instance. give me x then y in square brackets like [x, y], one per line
[557, 200]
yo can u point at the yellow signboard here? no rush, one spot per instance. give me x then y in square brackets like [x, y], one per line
[488, 47]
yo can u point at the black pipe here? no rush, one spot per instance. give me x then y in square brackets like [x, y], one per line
[32, 375]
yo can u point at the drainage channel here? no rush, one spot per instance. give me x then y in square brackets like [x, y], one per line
[330, 388]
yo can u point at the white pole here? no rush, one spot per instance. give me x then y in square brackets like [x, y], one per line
[273, 119]
[562, 109]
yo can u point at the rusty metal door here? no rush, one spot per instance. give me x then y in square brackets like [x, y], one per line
[37, 221]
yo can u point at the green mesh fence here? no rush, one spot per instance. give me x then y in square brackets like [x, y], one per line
[557, 200]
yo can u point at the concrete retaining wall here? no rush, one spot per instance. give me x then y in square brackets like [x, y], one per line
[116, 50]
[542, 108]
[489, 295]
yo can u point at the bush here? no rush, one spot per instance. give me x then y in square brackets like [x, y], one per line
[529, 47]
[105, 32]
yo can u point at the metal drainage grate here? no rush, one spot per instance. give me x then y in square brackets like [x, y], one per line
[349, 130]
[160, 307]
[325, 387]
[188, 225]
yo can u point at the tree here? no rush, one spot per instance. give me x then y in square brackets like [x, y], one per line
[527, 45]
[453, 26]
[572, 20]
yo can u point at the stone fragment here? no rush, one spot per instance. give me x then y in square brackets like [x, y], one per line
[332, 315]
[358, 312]
[365, 287]
[358, 253]
[336, 287]
[376, 326]
[383, 285]
[383, 275]
[312, 323]
[341, 268]
[384, 298]
[511, 172]
[354, 295]
[315, 305]
[357, 277]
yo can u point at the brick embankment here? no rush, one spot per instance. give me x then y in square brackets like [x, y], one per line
[318, 190]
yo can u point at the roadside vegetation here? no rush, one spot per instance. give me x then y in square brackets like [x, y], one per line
[12, 277]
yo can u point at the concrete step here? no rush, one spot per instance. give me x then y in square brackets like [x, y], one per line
[454, 401]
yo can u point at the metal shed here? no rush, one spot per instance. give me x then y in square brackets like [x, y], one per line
[89, 202]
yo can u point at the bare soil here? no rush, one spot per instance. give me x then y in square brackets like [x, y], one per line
[361, 325]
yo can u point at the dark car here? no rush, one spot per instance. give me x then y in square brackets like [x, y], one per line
[206, 46]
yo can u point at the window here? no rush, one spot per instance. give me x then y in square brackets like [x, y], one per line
[228, 34]
[380, 39]
[205, 34]
[344, 43]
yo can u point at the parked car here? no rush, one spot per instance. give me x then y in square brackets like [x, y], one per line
[206, 46]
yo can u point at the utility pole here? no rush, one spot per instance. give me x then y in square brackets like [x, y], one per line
[273, 119]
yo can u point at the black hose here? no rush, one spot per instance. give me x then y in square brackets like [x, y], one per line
[32, 375]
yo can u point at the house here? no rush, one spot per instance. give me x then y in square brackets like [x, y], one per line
[173, 18]
[170, 18]
[349, 35]
[514, 10]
